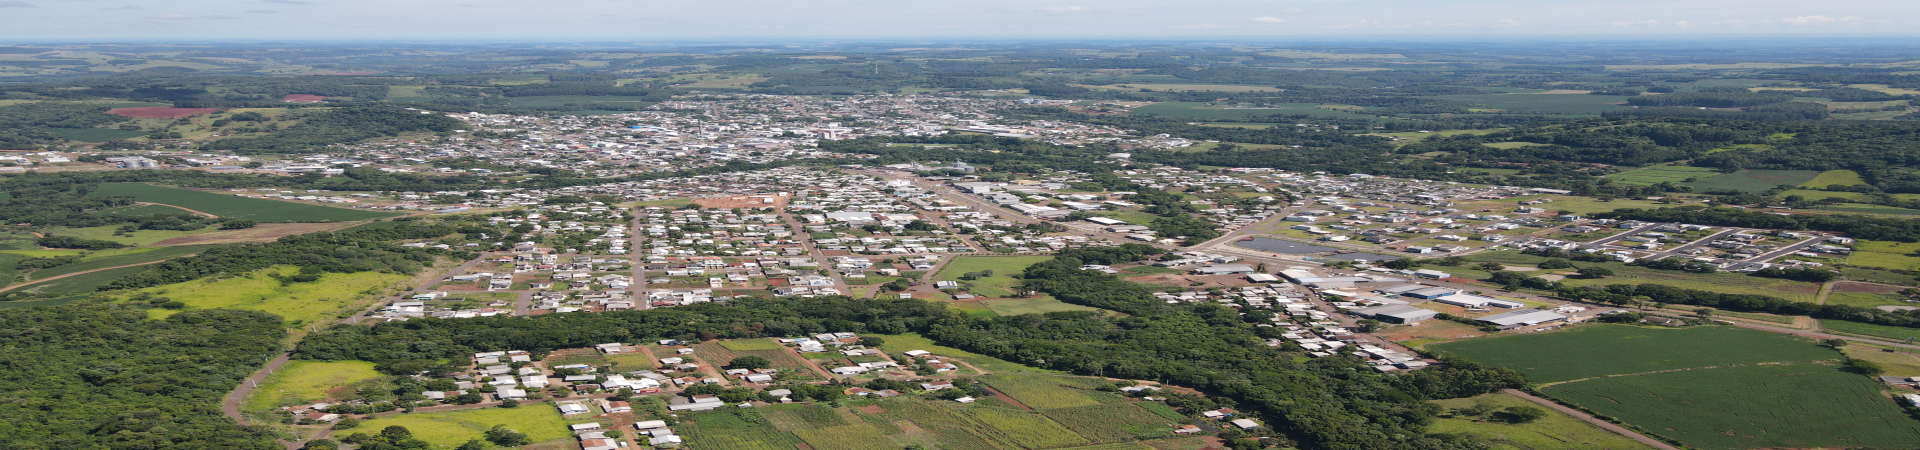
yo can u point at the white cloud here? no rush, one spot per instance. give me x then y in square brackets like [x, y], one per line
[289, 2]
[1269, 19]
[1293, 11]
[1362, 23]
[1683, 24]
[1064, 9]
[1809, 20]
[1643, 23]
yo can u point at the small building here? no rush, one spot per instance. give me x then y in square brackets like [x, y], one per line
[1225, 269]
[1245, 424]
[1400, 314]
[1525, 317]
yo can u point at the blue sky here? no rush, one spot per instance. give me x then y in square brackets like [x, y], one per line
[104, 20]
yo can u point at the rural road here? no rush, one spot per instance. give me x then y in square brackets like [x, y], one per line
[231, 405]
[1655, 443]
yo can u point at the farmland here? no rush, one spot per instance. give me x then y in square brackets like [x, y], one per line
[106, 259]
[298, 303]
[1900, 334]
[1200, 111]
[1753, 180]
[1833, 177]
[1043, 392]
[898, 343]
[1647, 176]
[446, 430]
[307, 382]
[229, 206]
[1113, 422]
[1555, 431]
[1884, 254]
[1581, 104]
[1786, 405]
[718, 354]
[1603, 349]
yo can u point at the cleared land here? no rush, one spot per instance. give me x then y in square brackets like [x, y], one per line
[1648, 176]
[236, 207]
[1784, 406]
[446, 430]
[299, 303]
[108, 259]
[899, 343]
[307, 382]
[1833, 177]
[1605, 349]
[1753, 180]
[1004, 267]
[1555, 431]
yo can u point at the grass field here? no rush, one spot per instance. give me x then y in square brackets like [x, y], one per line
[1651, 175]
[1891, 255]
[1626, 274]
[446, 430]
[299, 303]
[94, 134]
[721, 355]
[1866, 299]
[1043, 392]
[900, 343]
[1555, 431]
[1037, 305]
[845, 437]
[725, 431]
[999, 285]
[1606, 349]
[1897, 334]
[1113, 422]
[1780, 406]
[1753, 180]
[1200, 111]
[1583, 104]
[144, 210]
[80, 285]
[237, 207]
[301, 382]
[136, 238]
[1833, 177]
[746, 345]
[1023, 428]
[1901, 362]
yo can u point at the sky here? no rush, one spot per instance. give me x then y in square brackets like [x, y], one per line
[508, 20]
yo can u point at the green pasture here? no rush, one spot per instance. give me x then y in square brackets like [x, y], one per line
[229, 206]
[1606, 349]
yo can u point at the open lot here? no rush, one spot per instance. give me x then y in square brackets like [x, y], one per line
[302, 382]
[1833, 177]
[1651, 175]
[446, 430]
[1753, 180]
[1605, 349]
[1555, 431]
[999, 285]
[1803, 405]
[261, 210]
[298, 303]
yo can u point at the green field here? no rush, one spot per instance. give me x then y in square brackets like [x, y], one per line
[229, 206]
[1555, 431]
[1891, 255]
[95, 134]
[1001, 284]
[1114, 422]
[1782, 406]
[136, 238]
[899, 343]
[111, 258]
[1582, 104]
[1753, 180]
[1732, 283]
[299, 303]
[145, 210]
[446, 430]
[748, 345]
[303, 382]
[1651, 175]
[1833, 177]
[1044, 392]
[1605, 349]
[79, 285]
[1200, 111]
[1897, 334]
[1866, 299]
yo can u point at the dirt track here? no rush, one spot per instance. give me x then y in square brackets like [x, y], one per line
[34, 282]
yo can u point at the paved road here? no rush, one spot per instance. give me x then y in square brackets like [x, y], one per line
[1655, 443]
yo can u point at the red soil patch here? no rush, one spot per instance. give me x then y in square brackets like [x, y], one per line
[160, 112]
[303, 98]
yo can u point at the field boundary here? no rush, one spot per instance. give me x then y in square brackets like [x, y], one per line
[1723, 366]
[1590, 419]
[43, 280]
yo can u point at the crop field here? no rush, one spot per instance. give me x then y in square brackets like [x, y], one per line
[1866, 299]
[1555, 431]
[1652, 175]
[446, 430]
[299, 303]
[1891, 255]
[846, 437]
[747, 345]
[1043, 392]
[1753, 180]
[1780, 406]
[725, 431]
[80, 285]
[145, 210]
[94, 134]
[1833, 177]
[1605, 349]
[136, 238]
[307, 382]
[1113, 422]
[1023, 428]
[1004, 267]
[1583, 104]
[236, 207]
[720, 355]
[1200, 111]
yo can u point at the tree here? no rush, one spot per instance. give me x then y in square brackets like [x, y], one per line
[1555, 264]
[1834, 343]
[1595, 272]
[1864, 367]
[1399, 264]
[509, 403]
[346, 423]
[237, 224]
[1490, 267]
[749, 362]
[321, 444]
[1521, 414]
[502, 436]
[466, 399]
[474, 444]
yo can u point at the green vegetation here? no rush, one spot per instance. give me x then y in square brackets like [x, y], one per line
[1835, 177]
[102, 376]
[1000, 284]
[1606, 349]
[301, 382]
[1652, 175]
[1897, 334]
[343, 125]
[1042, 392]
[1114, 422]
[1568, 104]
[898, 343]
[1787, 406]
[745, 345]
[300, 303]
[446, 430]
[1554, 431]
[1753, 180]
[110, 258]
[233, 207]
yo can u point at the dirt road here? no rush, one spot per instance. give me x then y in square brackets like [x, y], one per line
[1655, 443]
